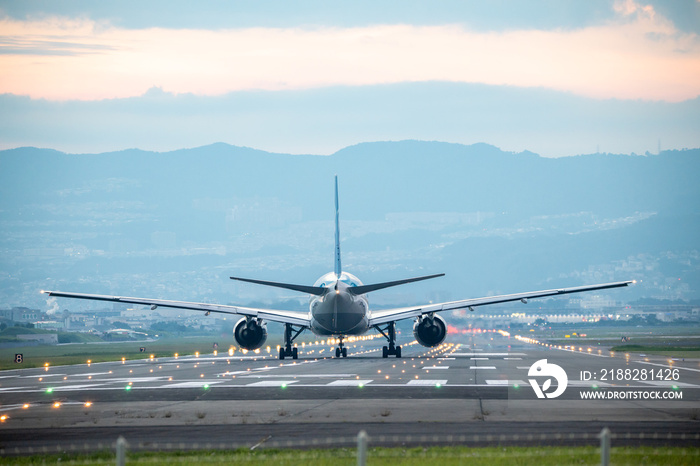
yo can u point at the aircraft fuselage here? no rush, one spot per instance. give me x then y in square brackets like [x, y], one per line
[339, 312]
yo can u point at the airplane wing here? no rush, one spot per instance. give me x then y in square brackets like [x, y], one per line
[392, 315]
[284, 317]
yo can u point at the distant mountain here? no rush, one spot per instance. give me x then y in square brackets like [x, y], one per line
[176, 224]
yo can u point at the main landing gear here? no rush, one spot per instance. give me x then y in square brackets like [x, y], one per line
[341, 349]
[287, 350]
[390, 335]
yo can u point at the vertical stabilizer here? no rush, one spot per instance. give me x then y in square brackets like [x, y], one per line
[338, 268]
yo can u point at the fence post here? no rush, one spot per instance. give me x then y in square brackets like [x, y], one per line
[362, 448]
[605, 447]
[121, 451]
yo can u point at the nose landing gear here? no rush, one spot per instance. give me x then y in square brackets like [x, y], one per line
[341, 349]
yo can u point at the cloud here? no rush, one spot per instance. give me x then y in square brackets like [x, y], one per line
[640, 55]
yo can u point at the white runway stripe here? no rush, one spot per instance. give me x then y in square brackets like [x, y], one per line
[271, 383]
[427, 382]
[192, 384]
[505, 382]
[349, 383]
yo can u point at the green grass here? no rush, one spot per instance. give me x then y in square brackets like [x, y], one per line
[669, 351]
[37, 356]
[677, 456]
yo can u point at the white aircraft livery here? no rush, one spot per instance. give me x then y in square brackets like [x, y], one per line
[339, 307]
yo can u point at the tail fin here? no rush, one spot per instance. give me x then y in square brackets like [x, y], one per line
[338, 268]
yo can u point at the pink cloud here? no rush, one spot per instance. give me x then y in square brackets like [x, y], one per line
[639, 56]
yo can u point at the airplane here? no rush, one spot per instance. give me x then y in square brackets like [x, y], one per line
[339, 307]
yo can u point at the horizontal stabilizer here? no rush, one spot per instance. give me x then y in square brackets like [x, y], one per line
[315, 290]
[362, 289]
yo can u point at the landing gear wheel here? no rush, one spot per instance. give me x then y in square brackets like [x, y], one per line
[295, 353]
[398, 351]
[345, 352]
[337, 352]
[282, 351]
[385, 352]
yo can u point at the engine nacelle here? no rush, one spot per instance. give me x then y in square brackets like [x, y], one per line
[430, 331]
[250, 335]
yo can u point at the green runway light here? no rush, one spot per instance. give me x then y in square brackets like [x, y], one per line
[127, 388]
[206, 386]
[361, 385]
[49, 390]
[516, 386]
[674, 387]
[284, 385]
[437, 385]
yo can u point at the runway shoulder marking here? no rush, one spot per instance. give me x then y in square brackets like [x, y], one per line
[504, 382]
[271, 383]
[348, 383]
[426, 382]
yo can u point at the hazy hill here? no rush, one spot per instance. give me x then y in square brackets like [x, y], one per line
[177, 224]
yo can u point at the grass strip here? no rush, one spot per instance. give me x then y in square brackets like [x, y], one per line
[678, 456]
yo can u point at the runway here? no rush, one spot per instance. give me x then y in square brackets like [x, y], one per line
[473, 389]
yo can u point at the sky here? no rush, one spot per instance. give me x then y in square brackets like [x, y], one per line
[555, 77]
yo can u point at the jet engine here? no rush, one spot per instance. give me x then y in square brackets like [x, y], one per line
[250, 334]
[430, 331]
